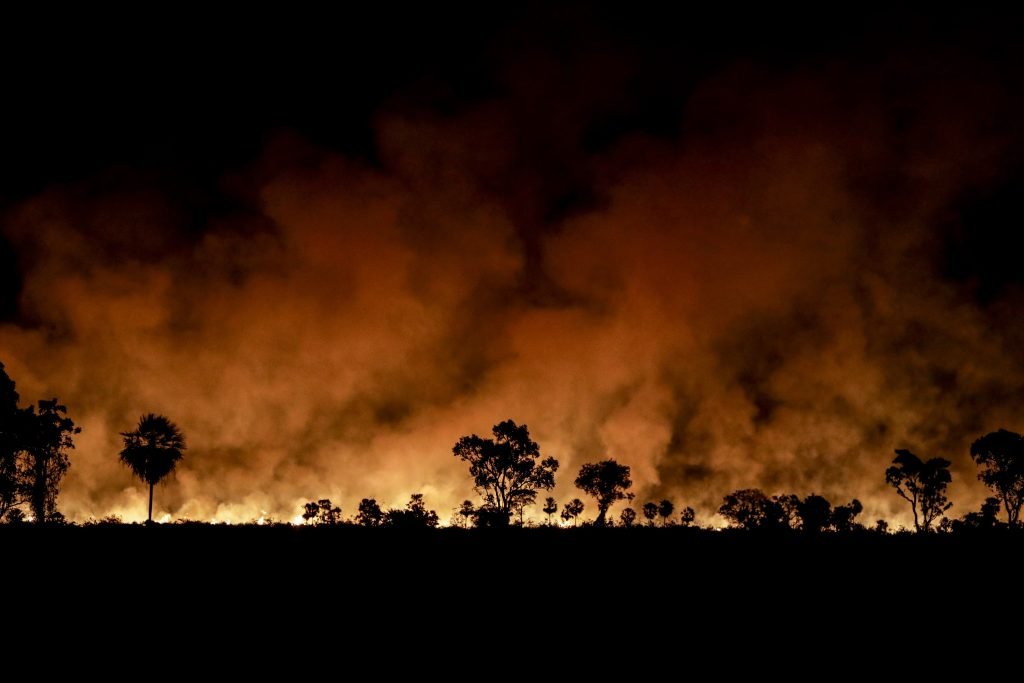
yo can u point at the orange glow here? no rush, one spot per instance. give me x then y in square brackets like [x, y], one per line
[731, 313]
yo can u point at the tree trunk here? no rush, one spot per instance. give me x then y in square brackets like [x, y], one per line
[150, 502]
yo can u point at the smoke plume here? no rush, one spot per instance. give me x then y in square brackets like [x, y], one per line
[760, 297]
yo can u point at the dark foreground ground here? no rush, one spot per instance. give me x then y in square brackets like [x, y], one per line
[621, 567]
[611, 603]
[608, 588]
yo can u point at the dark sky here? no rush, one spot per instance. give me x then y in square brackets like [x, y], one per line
[752, 189]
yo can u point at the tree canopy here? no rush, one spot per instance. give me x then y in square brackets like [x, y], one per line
[572, 510]
[47, 439]
[1000, 458]
[508, 469]
[922, 484]
[752, 509]
[152, 450]
[607, 481]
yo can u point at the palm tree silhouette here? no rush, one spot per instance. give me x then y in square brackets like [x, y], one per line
[152, 450]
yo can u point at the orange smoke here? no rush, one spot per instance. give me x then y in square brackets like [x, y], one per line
[740, 307]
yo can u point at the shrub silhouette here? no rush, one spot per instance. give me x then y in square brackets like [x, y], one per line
[844, 516]
[986, 519]
[627, 517]
[414, 516]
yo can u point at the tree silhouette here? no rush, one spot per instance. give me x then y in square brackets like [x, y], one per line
[627, 517]
[414, 516]
[464, 514]
[752, 509]
[687, 516]
[665, 510]
[922, 484]
[322, 513]
[650, 512]
[507, 470]
[521, 502]
[48, 437]
[844, 516]
[815, 513]
[1000, 457]
[985, 519]
[310, 512]
[550, 508]
[787, 504]
[152, 451]
[607, 481]
[572, 510]
[12, 421]
[369, 513]
[881, 526]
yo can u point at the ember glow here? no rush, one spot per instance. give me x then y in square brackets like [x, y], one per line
[785, 279]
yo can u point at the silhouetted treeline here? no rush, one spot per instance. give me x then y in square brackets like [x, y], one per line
[508, 471]
[414, 515]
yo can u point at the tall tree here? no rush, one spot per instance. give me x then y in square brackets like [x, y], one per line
[1000, 457]
[12, 421]
[48, 438]
[550, 508]
[573, 509]
[607, 481]
[152, 451]
[507, 470]
[922, 484]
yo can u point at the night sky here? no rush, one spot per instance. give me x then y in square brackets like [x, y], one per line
[729, 249]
